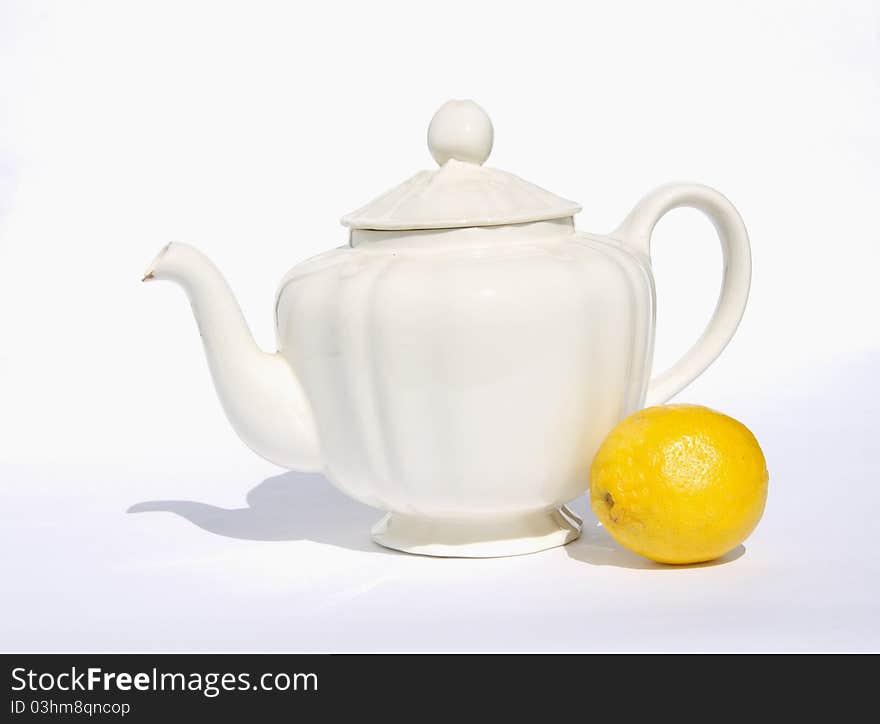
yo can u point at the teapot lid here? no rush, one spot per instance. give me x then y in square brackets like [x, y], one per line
[462, 192]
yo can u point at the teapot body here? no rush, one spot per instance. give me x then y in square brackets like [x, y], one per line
[459, 378]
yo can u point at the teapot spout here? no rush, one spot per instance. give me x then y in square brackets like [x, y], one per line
[260, 392]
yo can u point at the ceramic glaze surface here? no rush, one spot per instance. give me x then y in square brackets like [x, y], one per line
[461, 192]
[460, 362]
[468, 381]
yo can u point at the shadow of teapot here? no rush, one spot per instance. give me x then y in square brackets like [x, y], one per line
[291, 506]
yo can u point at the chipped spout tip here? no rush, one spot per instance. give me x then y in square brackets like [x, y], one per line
[156, 264]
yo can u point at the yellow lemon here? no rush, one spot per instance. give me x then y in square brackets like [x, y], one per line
[679, 483]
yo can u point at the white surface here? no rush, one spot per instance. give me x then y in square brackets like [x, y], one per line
[123, 128]
[250, 559]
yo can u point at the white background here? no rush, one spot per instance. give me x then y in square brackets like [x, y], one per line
[248, 129]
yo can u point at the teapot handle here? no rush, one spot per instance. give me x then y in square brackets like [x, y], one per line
[636, 230]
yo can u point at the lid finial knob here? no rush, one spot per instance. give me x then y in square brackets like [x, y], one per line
[460, 130]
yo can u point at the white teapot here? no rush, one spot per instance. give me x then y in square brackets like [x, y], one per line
[459, 362]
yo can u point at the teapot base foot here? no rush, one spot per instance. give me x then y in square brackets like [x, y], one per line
[478, 537]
